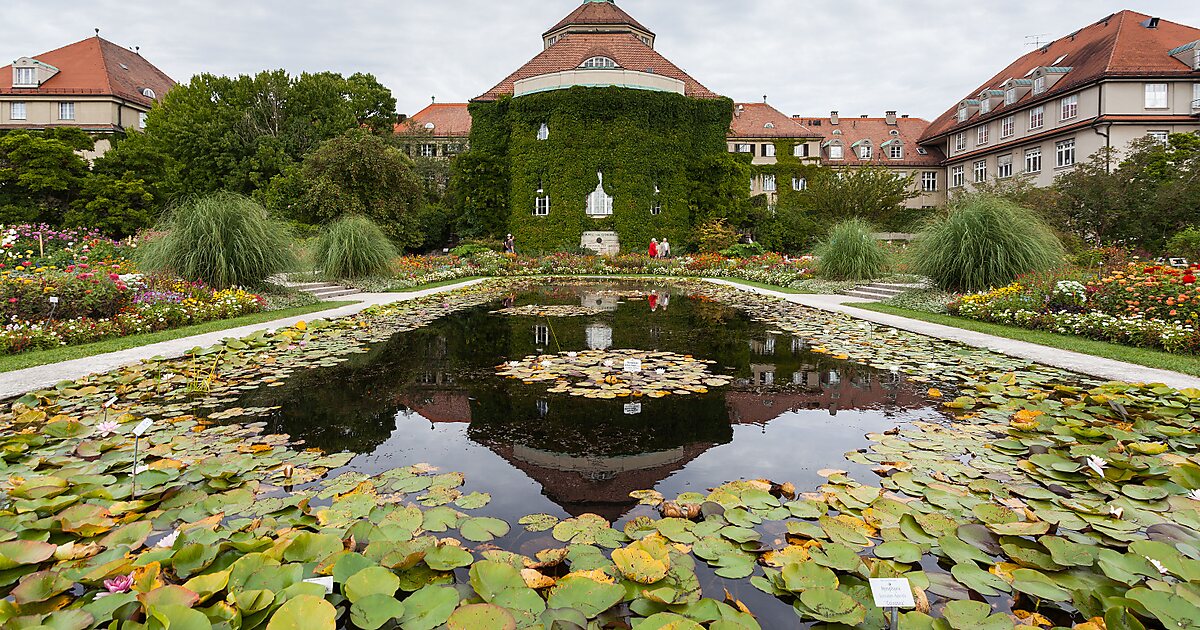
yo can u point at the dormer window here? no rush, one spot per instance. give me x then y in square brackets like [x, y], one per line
[1010, 96]
[896, 151]
[599, 63]
[962, 113]
[835, 152]
[543, 132]
[985, 106]
[863, 148]
[148, 93]
[769, 125]
[1039, 84]
[25, 77]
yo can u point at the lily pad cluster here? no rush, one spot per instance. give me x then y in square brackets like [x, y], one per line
[1037, 499]
[549, 310]
[603, 374]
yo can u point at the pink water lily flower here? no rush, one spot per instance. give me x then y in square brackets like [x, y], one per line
[119, 584]
[106, 428]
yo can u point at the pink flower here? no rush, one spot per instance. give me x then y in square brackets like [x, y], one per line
[12, 300]
[114, 277]
[119, 584]
[106, 428]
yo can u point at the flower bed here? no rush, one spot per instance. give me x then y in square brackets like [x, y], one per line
[1138, 304]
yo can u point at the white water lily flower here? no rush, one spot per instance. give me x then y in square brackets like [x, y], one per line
[1116, 512]
[1097, 464]
[660, 371]
[514, 363]
[546, 363]
[608, 363]
[168, 540]
[1194, 495]
[572, 354]
[1158, 565]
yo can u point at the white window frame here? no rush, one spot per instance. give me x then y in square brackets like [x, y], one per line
[982, 133]
[896, 151]
[985, 105]
[799, 183]
[543, 132]
[865, 152]
[1161, 137]
[1004, 166]
[768, 150]
[979, 170]
[957, 176]
[1064, 153]
[836, 152]
[25, 77]
[541, 205]
[66, 110]
[1039, 84]
[1068, 107]
[1037, 117]
[960, 141]
[801, 149]
[142, 120]
[599, 62]
[1196, 57]
[656, 208]
[1008, 127]
[17, 110]
[1033, 160]
[1196, 92]
[427, 150]
[599, 202]
[743, 147]
[962, 114]
[929, 181]
[769, 183]
[1157, 96]
[1010, 96]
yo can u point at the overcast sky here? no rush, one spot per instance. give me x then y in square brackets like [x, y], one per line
[808, 56]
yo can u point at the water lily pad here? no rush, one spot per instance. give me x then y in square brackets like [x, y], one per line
[900, 551]
[538, 522]
[304, 612]
[587, 595]
[373, 611]
[428, 608]
[483, 528]
[481, 617]
[371, 581]
[832, 606]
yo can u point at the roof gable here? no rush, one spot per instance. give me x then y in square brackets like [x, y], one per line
[598, 13]
[96, 66]
[760, 120]
[448, 120]
[1120, 45]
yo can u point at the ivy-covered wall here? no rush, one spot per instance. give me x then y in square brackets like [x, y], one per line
[638, 139]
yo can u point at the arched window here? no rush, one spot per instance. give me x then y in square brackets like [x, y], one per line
[148, 93]
[599, 63]
[544, 132]
[599, 203]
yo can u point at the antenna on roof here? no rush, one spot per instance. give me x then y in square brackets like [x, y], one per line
[764, 98]
[432, 99]
[1035, 40]
[97, 32]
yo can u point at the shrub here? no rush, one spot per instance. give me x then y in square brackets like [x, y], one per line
[353, 247]
[984, 241]
[714, 236]
[744, 250]
[223, 239]
[850, 252]
[470, 250]
[1186, 244]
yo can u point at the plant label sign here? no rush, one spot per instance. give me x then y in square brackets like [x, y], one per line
[142, 427]
[633, 365]
[53, 300]
[326, 581]
[633, 409]
[892, 593]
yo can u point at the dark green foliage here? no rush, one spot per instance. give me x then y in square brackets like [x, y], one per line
[358, 173]
[743, 250]
[851, 252]
[40, 174]
[870, 193]
[470, 250]
[223, 239]
[117, 206]
[237, 133]
[638, 139]
[353, 247]
[984, 241]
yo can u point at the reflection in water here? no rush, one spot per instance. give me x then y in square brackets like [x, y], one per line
[431, 395]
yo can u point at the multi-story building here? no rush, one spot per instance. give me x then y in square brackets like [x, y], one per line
[1125, 77]
[767, 135]
[93, 84]
[890, 142]
[441, 130]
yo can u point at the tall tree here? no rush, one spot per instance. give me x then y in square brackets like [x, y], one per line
[872, 193]
[40, 174]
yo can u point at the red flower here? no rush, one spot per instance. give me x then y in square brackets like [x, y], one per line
[1189, 279]
[114, 277]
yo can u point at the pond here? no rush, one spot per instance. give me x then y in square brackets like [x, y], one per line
[432, 395]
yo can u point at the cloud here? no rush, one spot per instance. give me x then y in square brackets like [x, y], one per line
[808, 56]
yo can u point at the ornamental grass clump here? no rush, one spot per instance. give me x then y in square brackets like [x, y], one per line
[354, 247]
[984, 241]
[851, 252]
[222, 239]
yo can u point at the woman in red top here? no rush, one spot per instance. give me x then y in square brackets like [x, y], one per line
[654, 248]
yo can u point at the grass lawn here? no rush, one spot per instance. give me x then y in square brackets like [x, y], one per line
[67, 353]
[1140, 356]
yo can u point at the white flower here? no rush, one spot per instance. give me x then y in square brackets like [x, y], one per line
[572, 354]
[1116, 512]
[1097, 464]
[168, 540]
[1194, 495]
[106, 428]
[1158, 565]
[608, 363]
[660, 371]
[514, 363]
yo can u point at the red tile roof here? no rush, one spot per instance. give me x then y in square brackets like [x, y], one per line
[448, 120]
[878, 131]
[599, 13]
[752, 119]
[96, 66]
[575, 48]
[1120, 45]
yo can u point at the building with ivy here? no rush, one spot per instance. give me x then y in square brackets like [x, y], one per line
[601, 139]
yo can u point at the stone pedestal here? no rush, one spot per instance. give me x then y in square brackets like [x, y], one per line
[602, 243]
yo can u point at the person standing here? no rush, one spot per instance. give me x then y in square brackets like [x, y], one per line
[510, 244]
[664, 249]
[654, 248]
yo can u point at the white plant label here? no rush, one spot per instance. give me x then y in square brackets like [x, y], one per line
[110, 402]
[141, 468]
[326, 581]
[633, 409]
[633, 365]
[53, 300]
[142, 427]
[892, 593]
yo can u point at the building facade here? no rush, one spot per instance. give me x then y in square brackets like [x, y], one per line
[94, 85]
[1125, 77]
[441, 130]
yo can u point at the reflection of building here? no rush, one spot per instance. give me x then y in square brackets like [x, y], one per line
[599, 336]
[602, 300]
[822, 389]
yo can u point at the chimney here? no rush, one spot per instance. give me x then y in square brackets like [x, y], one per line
[833, 117]
[738, 112]
[904, 115]
[891, 117]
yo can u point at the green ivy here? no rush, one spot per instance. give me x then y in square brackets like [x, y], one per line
[638, 139]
